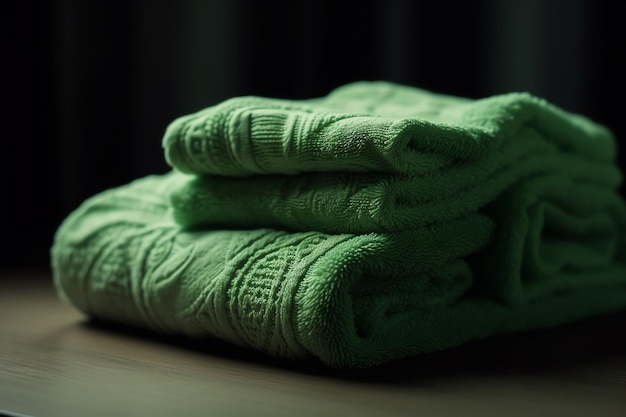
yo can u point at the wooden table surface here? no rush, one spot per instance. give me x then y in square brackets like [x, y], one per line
[53, 362]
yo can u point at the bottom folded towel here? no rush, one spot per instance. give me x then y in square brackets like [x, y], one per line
[349, 300]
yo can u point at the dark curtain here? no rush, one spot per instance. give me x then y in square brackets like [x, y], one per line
[91, 85]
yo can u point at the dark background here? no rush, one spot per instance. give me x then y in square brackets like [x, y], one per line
[89, 86]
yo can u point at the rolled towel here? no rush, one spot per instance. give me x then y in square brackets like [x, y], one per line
[373, 224]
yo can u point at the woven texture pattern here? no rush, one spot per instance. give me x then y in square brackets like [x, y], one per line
[375, 223]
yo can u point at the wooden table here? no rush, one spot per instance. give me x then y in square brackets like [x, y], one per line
[53, 362]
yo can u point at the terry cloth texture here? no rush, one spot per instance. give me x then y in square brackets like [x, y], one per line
[375, 223]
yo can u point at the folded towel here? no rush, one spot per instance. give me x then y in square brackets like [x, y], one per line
[376, 223]
[400, 130]
[380, 173]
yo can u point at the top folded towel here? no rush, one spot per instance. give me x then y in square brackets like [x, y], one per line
[369, 126]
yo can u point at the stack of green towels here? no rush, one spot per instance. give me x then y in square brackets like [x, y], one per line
[379, 222]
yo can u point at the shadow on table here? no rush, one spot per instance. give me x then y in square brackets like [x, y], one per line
[566, 347]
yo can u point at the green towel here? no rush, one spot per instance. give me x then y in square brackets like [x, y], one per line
[376, 223]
